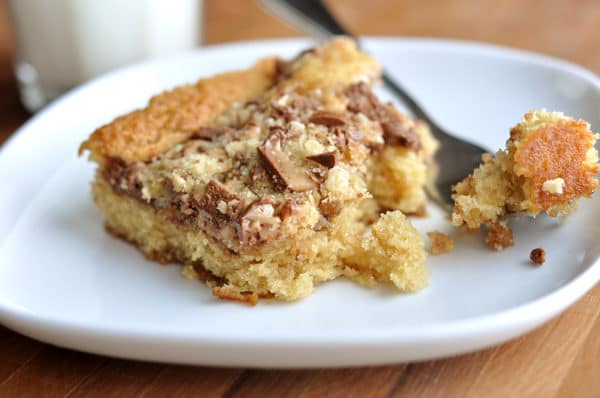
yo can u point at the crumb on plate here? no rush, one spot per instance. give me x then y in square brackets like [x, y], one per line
[440, 242]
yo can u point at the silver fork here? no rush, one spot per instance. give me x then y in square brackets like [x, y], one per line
[455, 159]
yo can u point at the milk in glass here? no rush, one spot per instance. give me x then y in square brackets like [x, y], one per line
[62, 43]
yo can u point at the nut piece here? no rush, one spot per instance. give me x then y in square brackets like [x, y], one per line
[327, 159]
[329, 119]
[440, 242]
[538, 256]
[283, 172]
[259, 222]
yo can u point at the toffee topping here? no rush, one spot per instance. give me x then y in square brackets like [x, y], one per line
[216, 193]
[259, 222]
[281, 169]
[122, 177]
[329, 119]
[396, 131]
[327, 159]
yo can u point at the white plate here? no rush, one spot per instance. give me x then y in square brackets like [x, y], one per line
[63, 280]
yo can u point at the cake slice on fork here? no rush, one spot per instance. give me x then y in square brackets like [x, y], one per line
[549, 162]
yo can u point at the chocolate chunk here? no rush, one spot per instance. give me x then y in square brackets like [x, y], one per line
[281, 169]
[208, 133]
[122, 177]
[362, 100]
[113, 171]
[396, 130]
[178, 207]
[215, 193]
[296, 108]
[329, 119]
[327, 159]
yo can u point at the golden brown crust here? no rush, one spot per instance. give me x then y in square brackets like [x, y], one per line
[225, 293]
[556, 150]
[175, 115]
[336, 64]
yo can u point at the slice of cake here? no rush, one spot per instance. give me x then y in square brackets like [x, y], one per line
[266, 181]
[549, 162]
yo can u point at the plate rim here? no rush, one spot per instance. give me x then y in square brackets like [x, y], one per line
[529, 314]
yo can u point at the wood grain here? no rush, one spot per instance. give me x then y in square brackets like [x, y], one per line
[560, 359]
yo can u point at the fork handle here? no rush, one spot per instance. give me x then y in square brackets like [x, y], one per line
[310, 16]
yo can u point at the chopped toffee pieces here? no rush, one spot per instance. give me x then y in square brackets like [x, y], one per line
[538, 256]
[259, 222]
[396, 130]
[122, 177]
[326, 159]
[219, 204]
[399, 132]
[329, 119]
[281, 169]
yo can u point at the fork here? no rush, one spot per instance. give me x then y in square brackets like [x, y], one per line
[455, 159]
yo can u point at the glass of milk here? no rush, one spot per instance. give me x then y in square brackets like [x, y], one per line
[62, 43]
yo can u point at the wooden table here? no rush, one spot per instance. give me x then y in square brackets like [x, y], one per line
[561, 359]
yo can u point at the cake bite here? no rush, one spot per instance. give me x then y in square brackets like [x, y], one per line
[548, 164]
[267, 181]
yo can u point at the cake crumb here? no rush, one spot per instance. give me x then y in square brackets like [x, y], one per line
[440, 242]
[499, 237]
[538, 256]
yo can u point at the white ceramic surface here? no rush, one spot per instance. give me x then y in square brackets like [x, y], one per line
[63, 280]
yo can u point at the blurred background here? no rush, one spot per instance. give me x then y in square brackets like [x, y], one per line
[567, 29]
